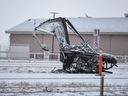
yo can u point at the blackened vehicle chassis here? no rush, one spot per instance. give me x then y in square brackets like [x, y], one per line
[79, 58]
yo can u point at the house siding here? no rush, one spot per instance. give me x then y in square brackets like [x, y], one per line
[114, 44]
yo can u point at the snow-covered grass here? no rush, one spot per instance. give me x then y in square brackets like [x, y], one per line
[29, 67]
[36, 79]
[25, 88]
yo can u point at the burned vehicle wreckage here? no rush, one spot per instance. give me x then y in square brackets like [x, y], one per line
[76, 59]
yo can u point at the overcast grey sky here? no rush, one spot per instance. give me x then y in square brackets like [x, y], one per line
[13, 12]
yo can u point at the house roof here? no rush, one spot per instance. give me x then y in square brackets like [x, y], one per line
[106, 25]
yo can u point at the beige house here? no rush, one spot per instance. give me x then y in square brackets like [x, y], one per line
[113, 34]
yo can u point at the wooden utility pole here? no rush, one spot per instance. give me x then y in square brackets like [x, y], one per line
[54, 15]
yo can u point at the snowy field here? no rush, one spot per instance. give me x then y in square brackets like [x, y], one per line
[22, 78]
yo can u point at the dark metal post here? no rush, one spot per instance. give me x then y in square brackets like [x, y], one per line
[102, 85]
[96, 46]
[96, 41]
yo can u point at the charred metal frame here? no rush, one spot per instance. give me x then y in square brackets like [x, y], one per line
[80, 58]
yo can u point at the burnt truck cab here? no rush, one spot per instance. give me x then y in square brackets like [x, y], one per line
[82, 59]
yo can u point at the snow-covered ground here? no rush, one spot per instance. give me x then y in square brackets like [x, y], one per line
[36, 79]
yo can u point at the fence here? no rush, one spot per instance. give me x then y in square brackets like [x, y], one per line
[18, 52]
[31, 56]
[22, 52]
[3, 51]
[44, 56]
[6, 55]
[122, 59]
